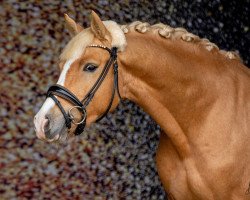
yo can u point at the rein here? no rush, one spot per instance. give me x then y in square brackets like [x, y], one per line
[58, 90]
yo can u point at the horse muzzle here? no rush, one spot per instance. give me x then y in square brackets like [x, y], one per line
[44, 129]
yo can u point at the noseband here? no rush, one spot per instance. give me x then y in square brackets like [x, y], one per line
[58, 90]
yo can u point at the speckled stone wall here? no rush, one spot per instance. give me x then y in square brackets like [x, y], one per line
[113, 159]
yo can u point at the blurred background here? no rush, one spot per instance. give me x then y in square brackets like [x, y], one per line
[113, 159]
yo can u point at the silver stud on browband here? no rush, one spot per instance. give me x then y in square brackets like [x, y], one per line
[97, 45]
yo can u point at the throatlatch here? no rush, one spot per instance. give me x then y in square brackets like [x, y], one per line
[58, 90]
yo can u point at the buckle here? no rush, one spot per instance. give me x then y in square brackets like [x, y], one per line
[71, 116]
[113, 53]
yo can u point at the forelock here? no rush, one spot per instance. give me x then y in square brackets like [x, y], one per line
[77, 45]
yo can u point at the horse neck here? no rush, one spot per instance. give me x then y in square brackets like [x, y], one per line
[172, 80]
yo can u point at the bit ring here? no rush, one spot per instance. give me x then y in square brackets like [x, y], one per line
[83, 111]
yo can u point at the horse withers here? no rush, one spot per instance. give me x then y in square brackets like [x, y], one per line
[198, 94]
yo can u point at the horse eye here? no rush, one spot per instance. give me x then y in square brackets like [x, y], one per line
[89, 67]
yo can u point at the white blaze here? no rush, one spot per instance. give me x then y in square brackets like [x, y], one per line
[49, 103]
[64, 72]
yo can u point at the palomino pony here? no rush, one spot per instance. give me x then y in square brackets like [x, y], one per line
[198, 94]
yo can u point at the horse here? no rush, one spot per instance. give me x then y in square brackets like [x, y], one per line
[198, 94]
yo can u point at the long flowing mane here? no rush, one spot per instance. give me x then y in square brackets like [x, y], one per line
[168, 32]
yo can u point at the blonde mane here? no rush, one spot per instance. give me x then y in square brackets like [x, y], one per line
[168, 32]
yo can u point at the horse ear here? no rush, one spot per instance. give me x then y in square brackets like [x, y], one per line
[72, 26]
[98, 28]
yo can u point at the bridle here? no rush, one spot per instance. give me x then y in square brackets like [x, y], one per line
[58, 90]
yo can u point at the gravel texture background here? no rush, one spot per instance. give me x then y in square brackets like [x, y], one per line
[113, 159]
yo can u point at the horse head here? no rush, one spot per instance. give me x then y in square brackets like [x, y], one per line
[87, 87]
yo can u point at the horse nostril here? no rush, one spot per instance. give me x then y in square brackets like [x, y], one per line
[47, 128]
[47, 117]
[46, 125]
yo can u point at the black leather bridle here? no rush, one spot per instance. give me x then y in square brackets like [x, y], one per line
[58, 90]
